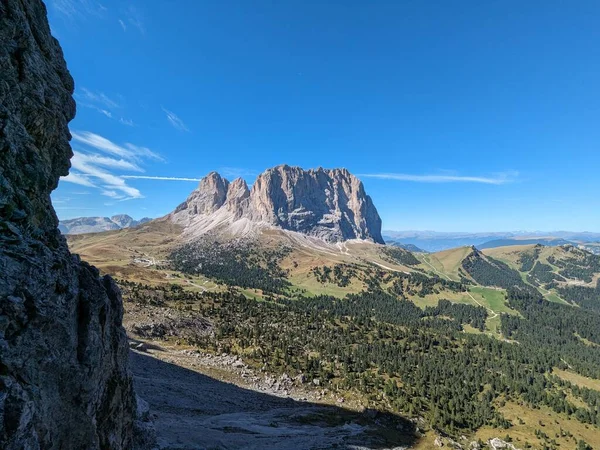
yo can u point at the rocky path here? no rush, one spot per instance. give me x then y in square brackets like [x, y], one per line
[194, 411]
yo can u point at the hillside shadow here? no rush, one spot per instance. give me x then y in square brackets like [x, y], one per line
[195, 411]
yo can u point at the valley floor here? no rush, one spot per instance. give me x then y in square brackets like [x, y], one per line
[193, 409]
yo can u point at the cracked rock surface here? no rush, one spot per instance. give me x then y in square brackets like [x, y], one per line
[64, 377]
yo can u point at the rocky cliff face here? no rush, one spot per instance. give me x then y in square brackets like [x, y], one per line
[64, 381]
[329, 204]
[208, 198]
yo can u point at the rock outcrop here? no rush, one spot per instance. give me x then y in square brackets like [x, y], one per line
[328, 204]
[64, 379]
[238, 198]
[208, 198]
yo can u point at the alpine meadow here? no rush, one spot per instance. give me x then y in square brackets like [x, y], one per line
[299, 225]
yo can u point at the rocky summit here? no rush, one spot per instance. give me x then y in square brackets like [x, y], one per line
[330, 204]
[64, 377]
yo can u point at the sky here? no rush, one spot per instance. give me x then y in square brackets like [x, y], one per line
[457, 116]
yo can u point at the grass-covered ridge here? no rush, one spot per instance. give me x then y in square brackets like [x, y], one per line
[465, 340]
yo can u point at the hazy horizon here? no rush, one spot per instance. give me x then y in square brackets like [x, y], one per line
[384, 230]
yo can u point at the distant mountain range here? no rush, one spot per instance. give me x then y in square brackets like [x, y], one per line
[433, 241]
[81, 225]
[409, 247]
[549, 242]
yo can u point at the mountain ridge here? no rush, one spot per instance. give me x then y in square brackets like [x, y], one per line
[434, 241]
[97, 224]
[330, 204]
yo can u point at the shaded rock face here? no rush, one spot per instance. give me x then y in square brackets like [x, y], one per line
[64, 380]
[329, 204]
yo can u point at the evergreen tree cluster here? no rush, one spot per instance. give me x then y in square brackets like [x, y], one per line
[406, 360]
[236, 263]
[399, 255]
[341, 274]
[543, 274]
[528, 258]
[583, 296]
[405, 285]
[488, 271]
[581, 266]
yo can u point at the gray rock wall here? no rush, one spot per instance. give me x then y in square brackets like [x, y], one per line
[329, 204]
[64, 380]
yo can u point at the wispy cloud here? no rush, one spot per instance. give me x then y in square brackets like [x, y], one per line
[127, 151]
[102, 103]
[60, 200]
[98, 98]
[499, 178]
[148, 177]
[108, 182]
[134, 17]
[98, 166]
[112, 194]
[229, 172]
[76, 9]
[99, 109]
[175, 120]
[123, 25]
[104, 161]
[77, 178]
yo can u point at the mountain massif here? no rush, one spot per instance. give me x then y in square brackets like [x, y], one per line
[330, 204]
[81, 225]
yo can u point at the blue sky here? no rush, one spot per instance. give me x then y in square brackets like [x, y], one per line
[468, 115]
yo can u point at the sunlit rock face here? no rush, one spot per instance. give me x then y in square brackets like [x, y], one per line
[330, 204]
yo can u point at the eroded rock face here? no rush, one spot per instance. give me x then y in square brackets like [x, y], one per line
[207, 198]
[64, 380]
[329, 204]
[238, 198]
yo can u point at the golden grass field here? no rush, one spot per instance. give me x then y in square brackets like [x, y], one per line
[579, 380]
[446, 263]
[527, 420]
